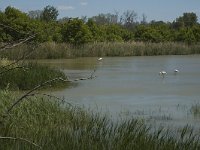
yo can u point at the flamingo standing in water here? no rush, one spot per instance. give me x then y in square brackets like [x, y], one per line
[176, 71]
[163, 73]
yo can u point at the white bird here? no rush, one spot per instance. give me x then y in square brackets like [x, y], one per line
[100, 59]
[163, 73]
[176, 71]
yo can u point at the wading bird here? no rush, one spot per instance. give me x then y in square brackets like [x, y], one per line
[176, 71]
[163, 73]
[100, 59]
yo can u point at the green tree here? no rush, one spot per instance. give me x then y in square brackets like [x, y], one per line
[187, 20]
[49, 13]
[163, 29]
[13, 13]
[113, 33]
[185, 35]
[17, 22]
[76, 32]
[148, 34]
[117, 33]
[98, 31]
[196, 32]
[4, 36]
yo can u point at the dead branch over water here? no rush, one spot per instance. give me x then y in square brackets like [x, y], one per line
[29, 93]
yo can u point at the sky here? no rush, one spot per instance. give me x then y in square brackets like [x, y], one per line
[165, 10]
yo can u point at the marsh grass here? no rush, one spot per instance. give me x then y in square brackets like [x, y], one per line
[53, 124]
[53, 50]
[29, 76]
[195, 110]
[4, 62]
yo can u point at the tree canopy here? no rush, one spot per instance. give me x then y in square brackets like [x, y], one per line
[49, 13]
[101, 28]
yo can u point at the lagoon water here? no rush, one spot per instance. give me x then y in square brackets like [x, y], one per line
[132, 87]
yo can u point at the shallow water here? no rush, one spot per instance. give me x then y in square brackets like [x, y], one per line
[132, 86]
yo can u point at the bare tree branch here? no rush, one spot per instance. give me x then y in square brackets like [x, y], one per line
[21, 139]
[11, 28]
[29, 92]
[7, 69]
[51, 96]
[13, 63]
[18, 60]
[19, 42]
[16, 102]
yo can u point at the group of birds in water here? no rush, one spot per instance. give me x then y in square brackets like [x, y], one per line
[162, 73]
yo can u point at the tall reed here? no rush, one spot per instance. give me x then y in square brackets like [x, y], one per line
[195, 110]
[55, 125]
[27, 77]
[53, 50]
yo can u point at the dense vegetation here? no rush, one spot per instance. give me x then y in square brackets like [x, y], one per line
[27, 76]
[51, 125]
[43, 121]
[52, 50]
[101, 28]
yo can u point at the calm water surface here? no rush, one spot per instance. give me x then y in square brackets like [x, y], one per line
[131, 86]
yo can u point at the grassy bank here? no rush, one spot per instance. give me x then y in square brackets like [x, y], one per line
[52, 124]
[61, 50]
[28, 75]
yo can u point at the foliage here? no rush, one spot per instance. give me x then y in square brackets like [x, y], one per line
[97, 33]
[17, 21]
[186, 35]
[101, 28]
[76, 32]
[49, 13]
[187, 20]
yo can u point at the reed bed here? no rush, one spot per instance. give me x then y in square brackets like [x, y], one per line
[53, 50]
[28, 75]
[195, 110]
[53, 124]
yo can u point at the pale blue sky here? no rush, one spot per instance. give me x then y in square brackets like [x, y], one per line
[166, 10]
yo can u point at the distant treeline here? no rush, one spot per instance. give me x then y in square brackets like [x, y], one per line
[101, 28]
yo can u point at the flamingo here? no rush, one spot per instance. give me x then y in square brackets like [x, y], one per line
[163, 73]
[100, 59]
[176, 71]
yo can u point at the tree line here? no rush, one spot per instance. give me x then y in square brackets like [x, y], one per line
[46, 27]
